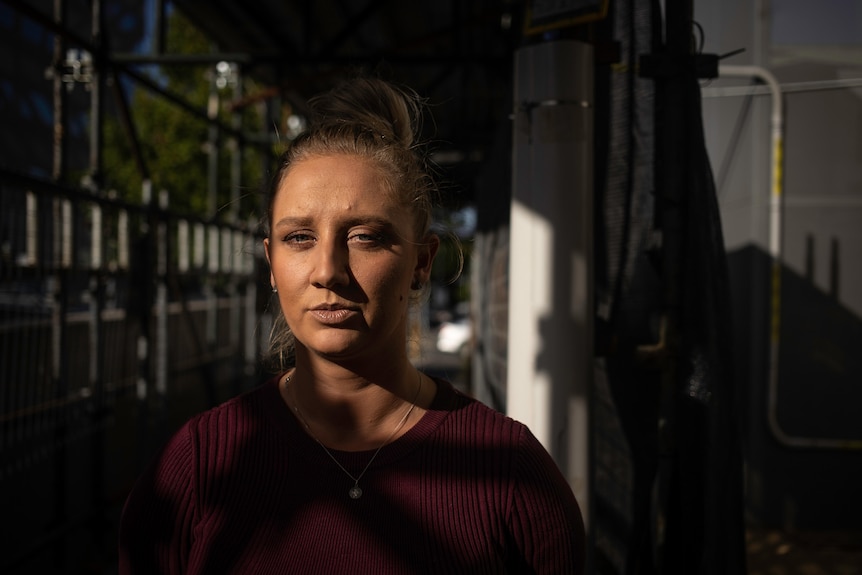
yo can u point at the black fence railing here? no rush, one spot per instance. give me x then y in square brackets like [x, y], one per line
[116, 323]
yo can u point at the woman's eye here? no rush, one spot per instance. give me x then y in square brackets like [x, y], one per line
[369, 238]
[298, 238]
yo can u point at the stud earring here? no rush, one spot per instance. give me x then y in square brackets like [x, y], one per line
[274, 289]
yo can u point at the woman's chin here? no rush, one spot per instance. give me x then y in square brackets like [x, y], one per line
[341, 343]
[341, 346]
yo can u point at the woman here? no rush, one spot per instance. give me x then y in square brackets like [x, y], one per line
[351, 460]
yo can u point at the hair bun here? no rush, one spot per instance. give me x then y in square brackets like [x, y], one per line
[371, 104]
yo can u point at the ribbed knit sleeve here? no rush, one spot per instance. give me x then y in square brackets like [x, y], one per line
[158, 518]
[545, 520]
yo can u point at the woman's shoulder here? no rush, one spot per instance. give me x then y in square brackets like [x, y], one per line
[467, 412]
[248, 410]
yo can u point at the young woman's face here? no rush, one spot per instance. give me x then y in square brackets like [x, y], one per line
[343, 254]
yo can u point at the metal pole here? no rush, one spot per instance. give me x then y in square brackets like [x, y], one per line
[56, 286]
[59, 167]
[213, 142]
[97, 380]
[238, 269]
[158, 46]
[97, 278]
[96, 108]
[142, 274]
[161, 304]
[238, 148]
[672, 207]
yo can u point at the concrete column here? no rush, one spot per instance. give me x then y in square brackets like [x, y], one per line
[550, 274]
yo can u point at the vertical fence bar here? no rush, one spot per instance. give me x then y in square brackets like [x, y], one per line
[96, 260]
[161, 379]
[237, 149]
[212, 145]
[122, 240]
[96, 383]
[65, 234]
[142, 281]
[59, 92]
[96, 107]
[226, 246]
[249, 333]
[208, 289]
[31, 227]
[183, 246]
[199, 251]
[57, 291]
[97, 277]
[236, 306]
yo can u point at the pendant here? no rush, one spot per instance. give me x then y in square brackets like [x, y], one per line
[355, 492]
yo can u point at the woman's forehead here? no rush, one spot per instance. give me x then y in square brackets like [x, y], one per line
[339, 182]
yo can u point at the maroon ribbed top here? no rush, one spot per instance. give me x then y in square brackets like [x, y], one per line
[243, 489]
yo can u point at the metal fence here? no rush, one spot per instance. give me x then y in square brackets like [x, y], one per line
[117, 321]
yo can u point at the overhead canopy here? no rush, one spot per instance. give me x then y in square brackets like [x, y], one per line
[457, 54]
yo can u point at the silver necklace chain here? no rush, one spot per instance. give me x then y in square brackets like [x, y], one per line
[355, 492]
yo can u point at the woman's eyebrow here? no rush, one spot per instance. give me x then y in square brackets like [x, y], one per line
[358, 220]
[373, 220]
[292, 221]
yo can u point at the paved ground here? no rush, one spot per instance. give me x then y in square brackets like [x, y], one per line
[772, 552]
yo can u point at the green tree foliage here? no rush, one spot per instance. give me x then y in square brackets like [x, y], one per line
[174, 143]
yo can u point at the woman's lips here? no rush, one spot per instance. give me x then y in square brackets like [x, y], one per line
[333, 315]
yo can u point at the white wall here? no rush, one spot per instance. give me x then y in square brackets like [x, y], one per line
[801, 43]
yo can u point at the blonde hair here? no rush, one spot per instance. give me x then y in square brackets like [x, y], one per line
[370, 118]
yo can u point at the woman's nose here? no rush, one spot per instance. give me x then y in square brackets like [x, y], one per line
[331, 265]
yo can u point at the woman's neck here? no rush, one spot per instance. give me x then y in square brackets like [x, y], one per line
[355, 409]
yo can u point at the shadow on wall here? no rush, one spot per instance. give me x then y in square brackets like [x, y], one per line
[818, 397]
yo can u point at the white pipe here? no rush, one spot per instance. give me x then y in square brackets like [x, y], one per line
[776, 190]
[786, 88]
[776, 160]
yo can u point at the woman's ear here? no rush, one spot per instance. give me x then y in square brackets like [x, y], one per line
[425, 258]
